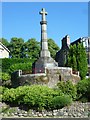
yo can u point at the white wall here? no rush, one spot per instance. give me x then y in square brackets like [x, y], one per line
[3, 52]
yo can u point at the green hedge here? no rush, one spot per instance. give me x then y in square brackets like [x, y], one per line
[36, 96]
[83, 90]
[68, 88]
[7, 62]
[21, 66]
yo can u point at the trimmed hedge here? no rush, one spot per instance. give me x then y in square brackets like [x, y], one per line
[7, 62]
[21, 66]
[36, 96]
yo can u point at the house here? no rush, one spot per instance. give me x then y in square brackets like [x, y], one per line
[4, 51]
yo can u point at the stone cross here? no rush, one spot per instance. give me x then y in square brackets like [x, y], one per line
[43, 13]
[44, 44]
[45, 59]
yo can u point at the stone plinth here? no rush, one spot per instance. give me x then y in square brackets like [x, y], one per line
[41, 63]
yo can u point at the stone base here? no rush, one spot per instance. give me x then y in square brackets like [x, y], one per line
[41, 63]
[50, 78]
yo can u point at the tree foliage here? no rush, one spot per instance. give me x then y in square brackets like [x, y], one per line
[15, 47]
[77, 59]
[82, 64]
[72, 56]
[4, 41]
[31, 49]
[28, 49]
[53, 47]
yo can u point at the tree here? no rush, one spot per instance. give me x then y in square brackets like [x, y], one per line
[4, 42]
[53, 47]
[82, 64]
[15, 47]
[31, 49]
[72, 58]
[77, 59]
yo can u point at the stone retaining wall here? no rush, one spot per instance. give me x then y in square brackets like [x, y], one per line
[76, 110]
[50, 78]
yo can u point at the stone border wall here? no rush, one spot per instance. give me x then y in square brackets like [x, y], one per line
[50, 78]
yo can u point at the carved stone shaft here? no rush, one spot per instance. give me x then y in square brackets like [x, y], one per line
[44, 44]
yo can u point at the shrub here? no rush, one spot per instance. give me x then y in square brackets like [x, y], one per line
[2, 89]
[5, 79]
[83, 89]
[40, 96]
[61, 101]
[4, 76]
[35, 96]
[9, 95]
[68, 88]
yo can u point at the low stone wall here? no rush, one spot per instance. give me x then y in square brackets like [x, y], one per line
[76, 110]
[57, 74]
[50, 78]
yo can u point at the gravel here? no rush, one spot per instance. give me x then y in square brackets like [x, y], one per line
[77, 109]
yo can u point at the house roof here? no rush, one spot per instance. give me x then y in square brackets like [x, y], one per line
[4, 47]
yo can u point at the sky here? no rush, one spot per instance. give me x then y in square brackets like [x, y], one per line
[22, 19]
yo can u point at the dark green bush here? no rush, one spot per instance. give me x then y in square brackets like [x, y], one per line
[83, 89]
[61, 101]
[35, 96]
[68, 88]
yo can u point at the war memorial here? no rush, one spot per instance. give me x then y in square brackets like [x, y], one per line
[45, 70]
[46, 73]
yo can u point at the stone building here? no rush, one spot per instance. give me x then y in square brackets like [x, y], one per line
[4, 52]
[61, 55]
